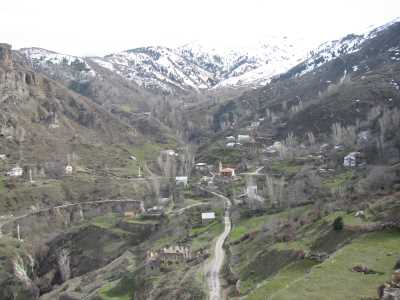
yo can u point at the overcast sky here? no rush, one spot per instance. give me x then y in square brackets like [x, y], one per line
[97, 27]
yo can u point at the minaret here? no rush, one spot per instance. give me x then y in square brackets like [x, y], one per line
[139, 173]
[220, 167]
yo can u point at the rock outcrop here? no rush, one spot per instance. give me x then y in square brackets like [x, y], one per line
[391, 290]
[6, 56]
[16, 272]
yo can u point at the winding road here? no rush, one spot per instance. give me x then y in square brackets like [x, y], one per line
[213, 269]
[13, 219]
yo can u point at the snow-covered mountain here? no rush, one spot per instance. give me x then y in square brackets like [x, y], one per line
[195, 67]
[191, 67]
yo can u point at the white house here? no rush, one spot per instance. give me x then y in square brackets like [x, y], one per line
[230, 138]
[3, 156]
[339, 147]
[68, 169]
[181, 180]
[351, 159]
[243, 138]
[255, 124]
[251, 190]
[207, 217]
[17, 171]
[201, 166]
[170, 152]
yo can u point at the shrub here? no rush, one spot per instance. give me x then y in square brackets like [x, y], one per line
[397, 265]
[338, 224]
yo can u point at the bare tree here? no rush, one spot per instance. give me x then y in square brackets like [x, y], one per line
[275, 189]
[344, 135]
[311, 138]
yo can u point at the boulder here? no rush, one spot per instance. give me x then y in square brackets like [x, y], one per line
[365, 270]
[44, 283]
[391, 294]
[396, 276]
[397, 265]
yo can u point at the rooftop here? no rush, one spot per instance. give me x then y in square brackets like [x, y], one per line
[208, 215]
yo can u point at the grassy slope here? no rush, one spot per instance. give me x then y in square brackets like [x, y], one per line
[251, 224]
[120, 290]
[315, 237]
[282, 280]
[333, 279]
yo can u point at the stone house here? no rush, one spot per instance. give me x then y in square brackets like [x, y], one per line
[153, 263]
[175, 254]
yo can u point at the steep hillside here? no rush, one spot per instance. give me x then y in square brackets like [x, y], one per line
[91, 80]
[307, 222]
[45, 127]
[342, 86]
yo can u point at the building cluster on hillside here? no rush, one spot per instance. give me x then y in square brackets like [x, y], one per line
[156, 259]
[18, 171]
[167, 255]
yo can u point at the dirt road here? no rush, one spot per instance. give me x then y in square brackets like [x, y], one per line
[214, 267]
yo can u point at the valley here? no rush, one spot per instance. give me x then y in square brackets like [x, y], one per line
[188, 173]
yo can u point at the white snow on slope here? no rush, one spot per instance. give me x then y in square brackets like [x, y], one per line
[45, 59]
[196, 67]
[347, 45]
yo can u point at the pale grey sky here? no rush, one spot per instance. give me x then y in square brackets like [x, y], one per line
[97, 27]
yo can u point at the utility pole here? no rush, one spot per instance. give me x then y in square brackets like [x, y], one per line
[18, 233]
